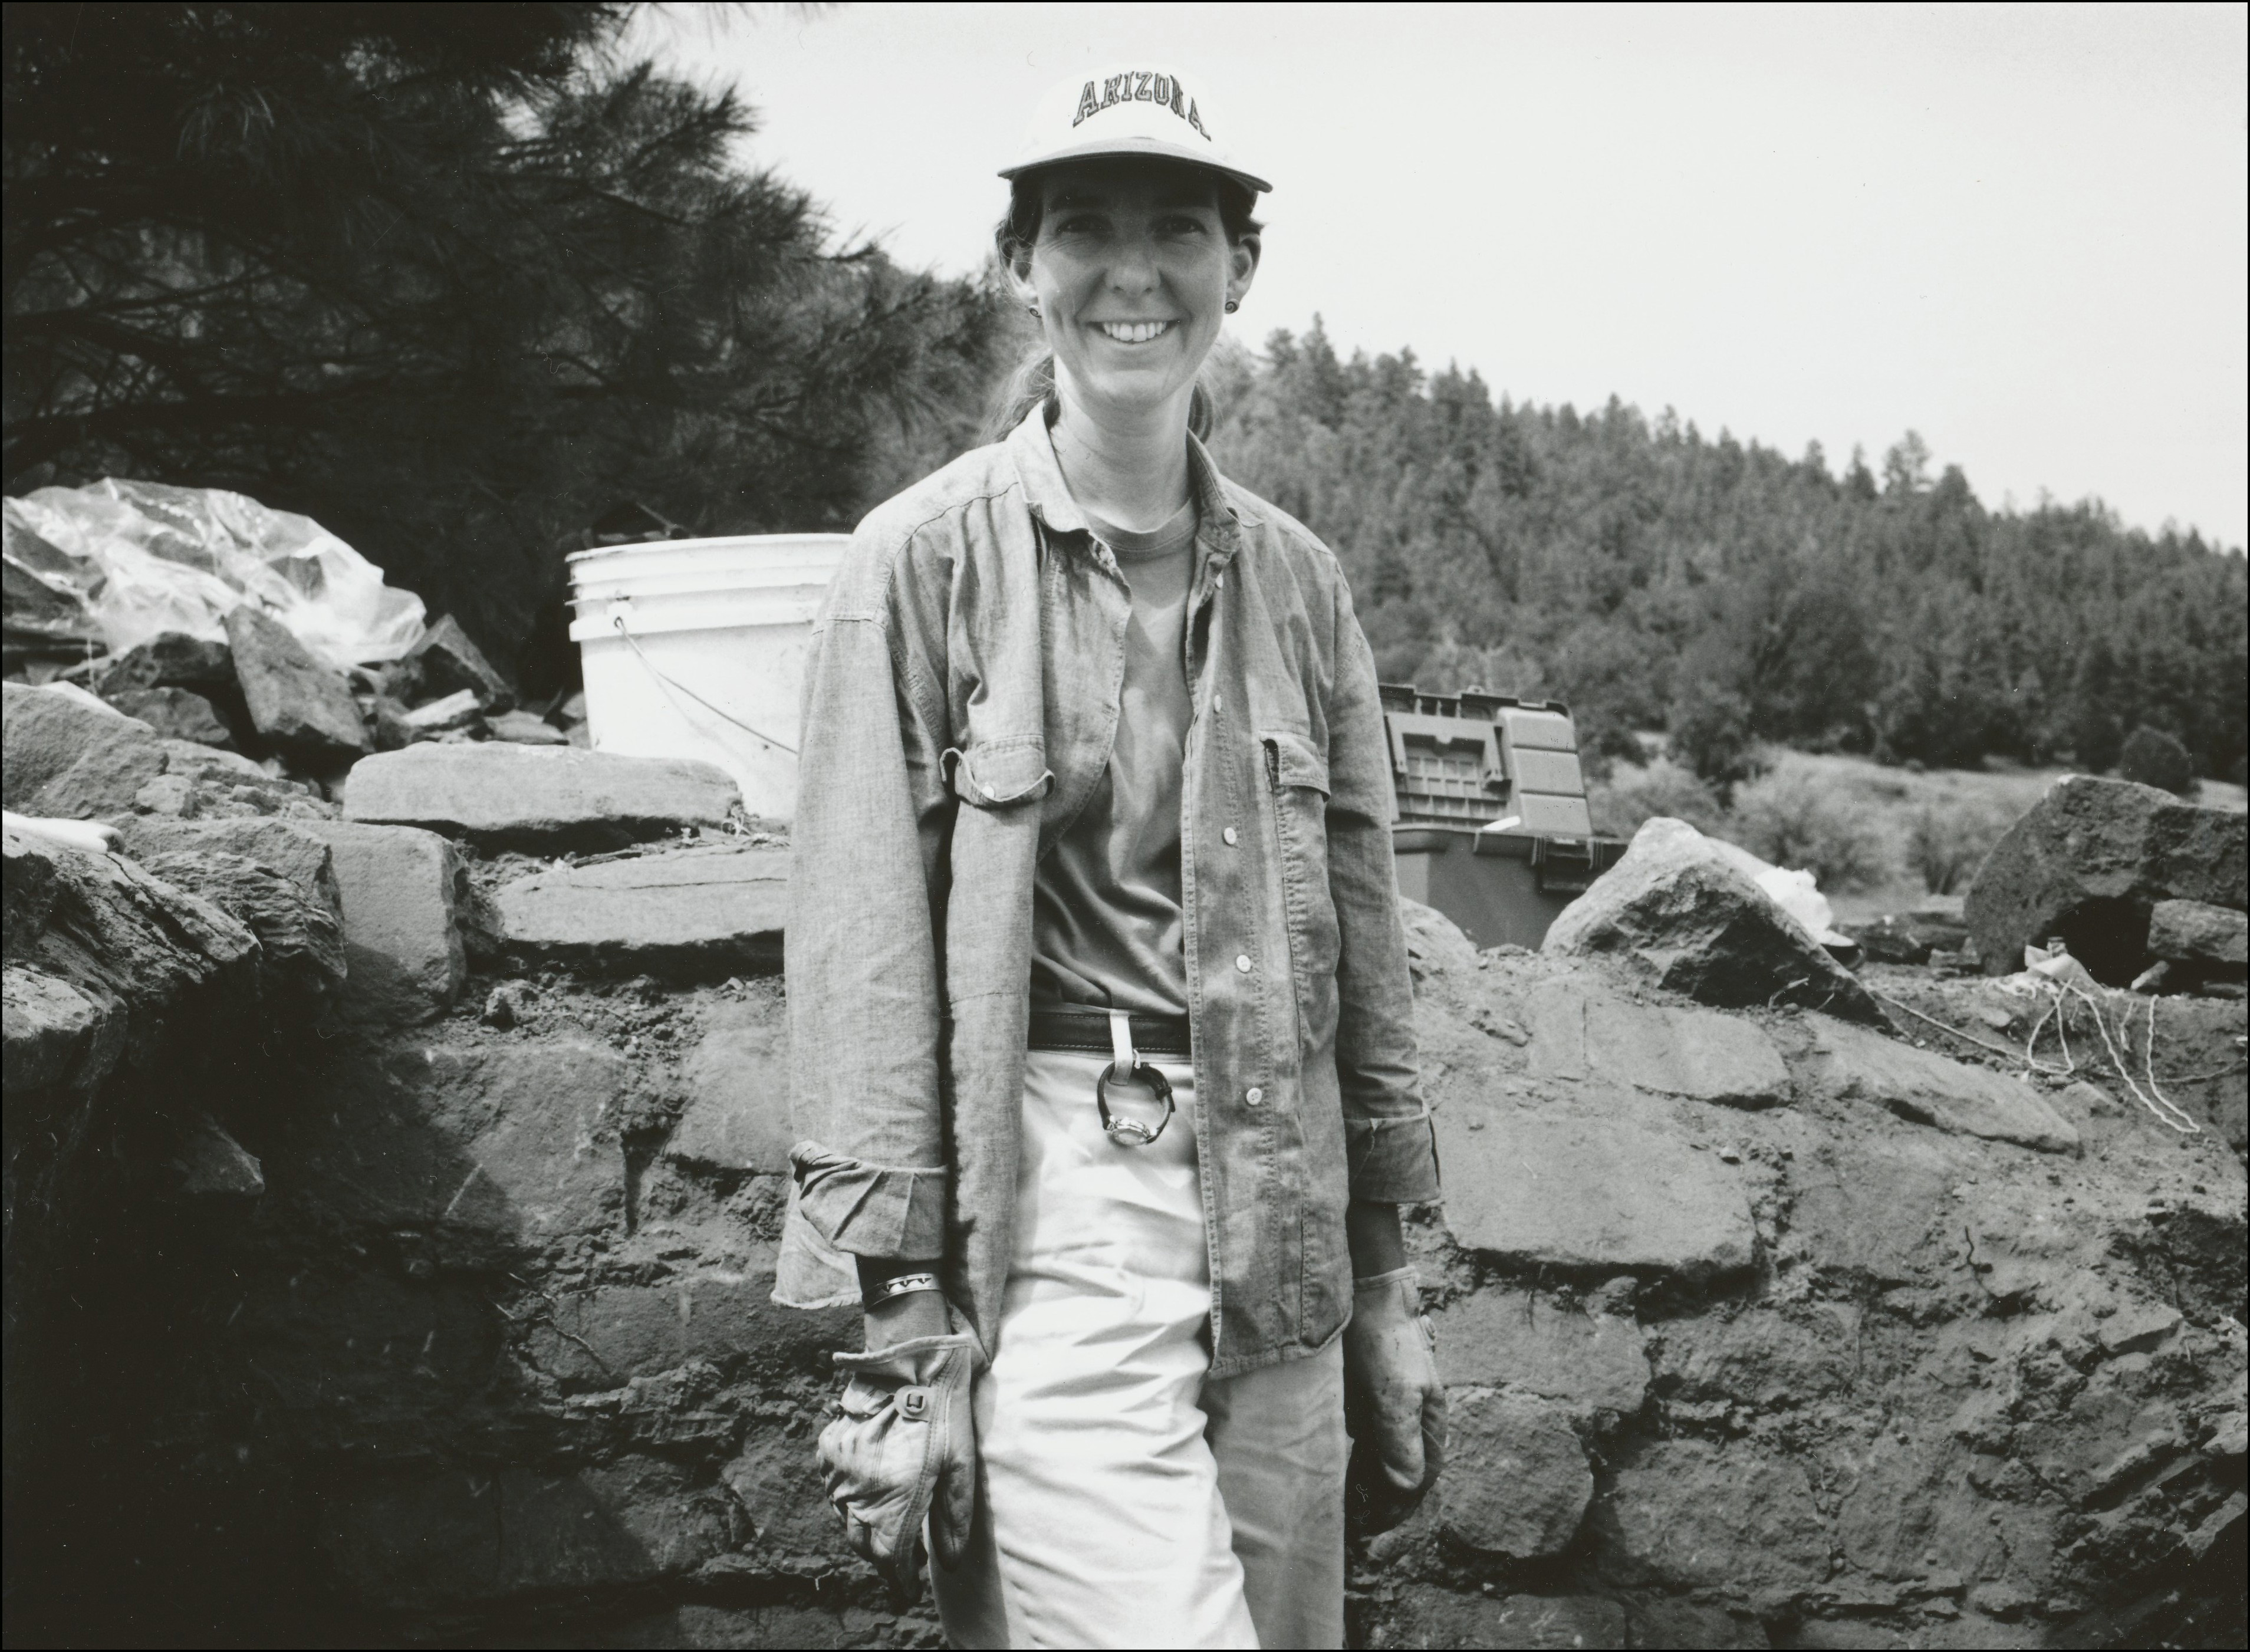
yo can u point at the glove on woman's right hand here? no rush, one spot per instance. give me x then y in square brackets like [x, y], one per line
[905, 1448]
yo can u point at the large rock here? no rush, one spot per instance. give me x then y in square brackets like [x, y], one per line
[1426, 1615]
[445, 661]
[1580, 1032]
[1679, 911]
[99, 953]
[169, 660]
[204, 783]
[2195, 932]
[1516, 1480]
[2089, 861]
[275, 876]
[300, 940]
[1592, 1189]
[1851, 1063]
[71, 756]
[524, 797]
[737, 1082]
[487, 1148]
[403, 892]
[1692, 1515]
[1514, 1339]
[710, 912]
[299, 704]
[174, 714]
[549, 1163]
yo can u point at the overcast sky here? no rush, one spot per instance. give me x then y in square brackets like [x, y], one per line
[2024, 231]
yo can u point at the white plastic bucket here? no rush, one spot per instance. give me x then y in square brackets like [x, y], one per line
[695, 648]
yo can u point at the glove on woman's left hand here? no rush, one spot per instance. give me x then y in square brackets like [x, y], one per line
[904, 1449]
[1393, 1401]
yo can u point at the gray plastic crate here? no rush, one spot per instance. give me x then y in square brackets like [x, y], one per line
[1489, 818]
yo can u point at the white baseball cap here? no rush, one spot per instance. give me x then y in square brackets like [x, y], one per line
[1121, 110]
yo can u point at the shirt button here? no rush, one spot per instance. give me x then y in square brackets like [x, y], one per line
[1215, 704]
[1231, 836]
[1254, 1095]
[1242, 962]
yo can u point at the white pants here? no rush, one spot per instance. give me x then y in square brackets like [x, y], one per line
[1126, 1497]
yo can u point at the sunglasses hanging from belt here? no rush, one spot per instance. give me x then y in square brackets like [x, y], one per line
[1125, 1068]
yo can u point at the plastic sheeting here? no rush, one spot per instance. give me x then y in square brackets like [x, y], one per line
[122, 561]
[1795, 892]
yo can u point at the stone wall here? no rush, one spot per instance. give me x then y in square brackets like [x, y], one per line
[1764, 1327]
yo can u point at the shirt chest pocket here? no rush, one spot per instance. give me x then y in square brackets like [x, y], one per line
[999, 774]
[1296, 773]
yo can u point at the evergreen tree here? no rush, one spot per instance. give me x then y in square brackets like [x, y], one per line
[452, 280]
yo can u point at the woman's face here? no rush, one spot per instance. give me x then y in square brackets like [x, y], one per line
[1132, 274]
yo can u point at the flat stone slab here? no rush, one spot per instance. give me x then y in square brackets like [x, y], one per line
[1854, 1064]
[1513, 1339]
[700, 912]
[1591, 1189]
[509, 796]
[1578, 1031]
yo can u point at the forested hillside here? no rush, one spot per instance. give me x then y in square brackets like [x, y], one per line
[1659, 578]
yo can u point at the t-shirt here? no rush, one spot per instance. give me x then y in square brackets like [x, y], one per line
[1106, 928]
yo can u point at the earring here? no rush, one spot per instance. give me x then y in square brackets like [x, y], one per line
[1232, 307]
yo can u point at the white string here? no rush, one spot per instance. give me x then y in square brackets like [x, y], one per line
[2059, 993]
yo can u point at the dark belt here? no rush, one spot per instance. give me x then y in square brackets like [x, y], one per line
[1087, 1033]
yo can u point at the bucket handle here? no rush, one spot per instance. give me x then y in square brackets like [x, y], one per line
[668, 684]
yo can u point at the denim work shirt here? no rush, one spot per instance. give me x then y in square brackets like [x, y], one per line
[960, 698]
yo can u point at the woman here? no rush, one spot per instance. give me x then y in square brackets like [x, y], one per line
[1099, 1000]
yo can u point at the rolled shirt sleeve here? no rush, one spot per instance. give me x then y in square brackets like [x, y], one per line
[861, 953]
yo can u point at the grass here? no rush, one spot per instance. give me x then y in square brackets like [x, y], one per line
[1886, 806]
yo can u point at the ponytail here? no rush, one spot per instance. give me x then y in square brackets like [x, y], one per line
[1032, 384]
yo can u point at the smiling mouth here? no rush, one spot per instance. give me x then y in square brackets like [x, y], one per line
[1133, 332]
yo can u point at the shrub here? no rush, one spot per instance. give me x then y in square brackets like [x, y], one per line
[1790, 820]
[1946, 842]
[1630, 796]
[1713, 736]
[2155, 758]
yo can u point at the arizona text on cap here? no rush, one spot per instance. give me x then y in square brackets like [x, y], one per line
[1125, 111]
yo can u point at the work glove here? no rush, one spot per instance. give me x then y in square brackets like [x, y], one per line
[904, 1449]
[1393, 1402]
